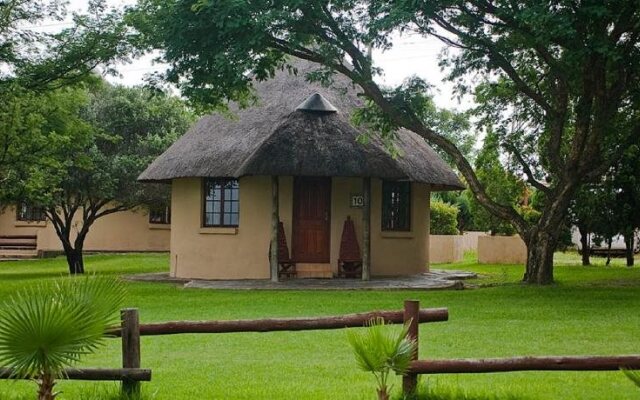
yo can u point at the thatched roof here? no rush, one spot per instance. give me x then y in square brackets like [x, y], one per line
[292, 131]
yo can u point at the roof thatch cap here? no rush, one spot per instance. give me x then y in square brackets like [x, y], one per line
[317, 103]
[320, 144]
[274, 138]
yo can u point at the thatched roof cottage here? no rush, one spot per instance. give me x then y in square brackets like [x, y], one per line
[294, 158]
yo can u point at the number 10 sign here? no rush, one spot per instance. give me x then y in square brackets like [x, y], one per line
[357, 201]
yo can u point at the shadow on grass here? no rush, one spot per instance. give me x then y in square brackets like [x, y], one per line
[438, 391]
[22, 276]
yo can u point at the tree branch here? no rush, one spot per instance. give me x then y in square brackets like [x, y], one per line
[489, 49]
[527, 169]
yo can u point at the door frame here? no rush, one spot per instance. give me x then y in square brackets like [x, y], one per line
[294, 222]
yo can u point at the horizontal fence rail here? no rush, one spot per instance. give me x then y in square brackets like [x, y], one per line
[487, 365]
[293, 324]
[93, 374]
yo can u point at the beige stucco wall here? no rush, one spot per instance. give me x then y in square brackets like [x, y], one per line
[123, 231]
[400, 253]
[242, 253]
[501, 250]
[445, 248]
[470, 240]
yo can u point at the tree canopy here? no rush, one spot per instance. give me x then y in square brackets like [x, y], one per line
[36, 133]
[39, 60]
[126, 128]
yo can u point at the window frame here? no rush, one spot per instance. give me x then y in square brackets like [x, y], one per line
[402, 188]
[31, 211]
[166, 212]
[206, 182]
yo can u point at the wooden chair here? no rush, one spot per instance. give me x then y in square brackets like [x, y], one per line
[350, 260]
[286, 266]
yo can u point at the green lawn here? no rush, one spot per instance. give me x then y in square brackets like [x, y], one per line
[591, 310]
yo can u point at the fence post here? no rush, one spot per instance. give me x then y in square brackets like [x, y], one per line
[411, 313]
[130, 347]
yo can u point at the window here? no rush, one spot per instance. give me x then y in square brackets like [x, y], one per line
[160, 214]
[396, 206]
[221, 202]
[27, 212]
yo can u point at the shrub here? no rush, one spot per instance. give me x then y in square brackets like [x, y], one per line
[444, 218]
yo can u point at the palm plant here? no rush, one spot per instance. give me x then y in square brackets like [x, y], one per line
[49, 327]
[381, 350]
[634, 376]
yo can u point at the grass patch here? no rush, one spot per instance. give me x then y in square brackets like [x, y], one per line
[592, 310]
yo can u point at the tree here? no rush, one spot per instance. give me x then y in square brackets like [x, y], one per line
[608, 208]
[39, 121]
[129, 128]
[38, 60]
[47, 328]
[626, 181]
[553, 77]
[585, 213]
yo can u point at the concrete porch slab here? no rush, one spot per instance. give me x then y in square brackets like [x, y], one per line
[433, 280]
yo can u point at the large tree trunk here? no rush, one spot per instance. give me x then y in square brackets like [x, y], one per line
[629, 242]
[584, 245]
[543, 237]
[73, 251]
[75, 260]
[541, 245]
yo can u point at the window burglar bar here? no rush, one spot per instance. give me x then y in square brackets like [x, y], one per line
[221, 202]
[396, 206]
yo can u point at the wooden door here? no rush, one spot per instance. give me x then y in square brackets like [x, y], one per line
[311, 220]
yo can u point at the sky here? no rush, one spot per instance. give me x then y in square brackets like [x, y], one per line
[410, 55]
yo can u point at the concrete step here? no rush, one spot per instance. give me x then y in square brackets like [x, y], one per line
[314, 270]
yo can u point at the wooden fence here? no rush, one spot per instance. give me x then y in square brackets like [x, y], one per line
[486, 365]
[131, 330]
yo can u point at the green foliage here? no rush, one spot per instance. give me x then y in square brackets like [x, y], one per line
[380, 350]
[499, 183]
[123, 129]
[444, 218]
[461, 201]
[132, 126]
[608, 207]
[49, 327]
[530, 214]
[414, 94]
[37, 132]
[634, 376]
[39, 60]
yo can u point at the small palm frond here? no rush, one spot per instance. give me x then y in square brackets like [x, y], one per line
[47, 328]
[633, 375]
[368, 346]
[380, 349]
